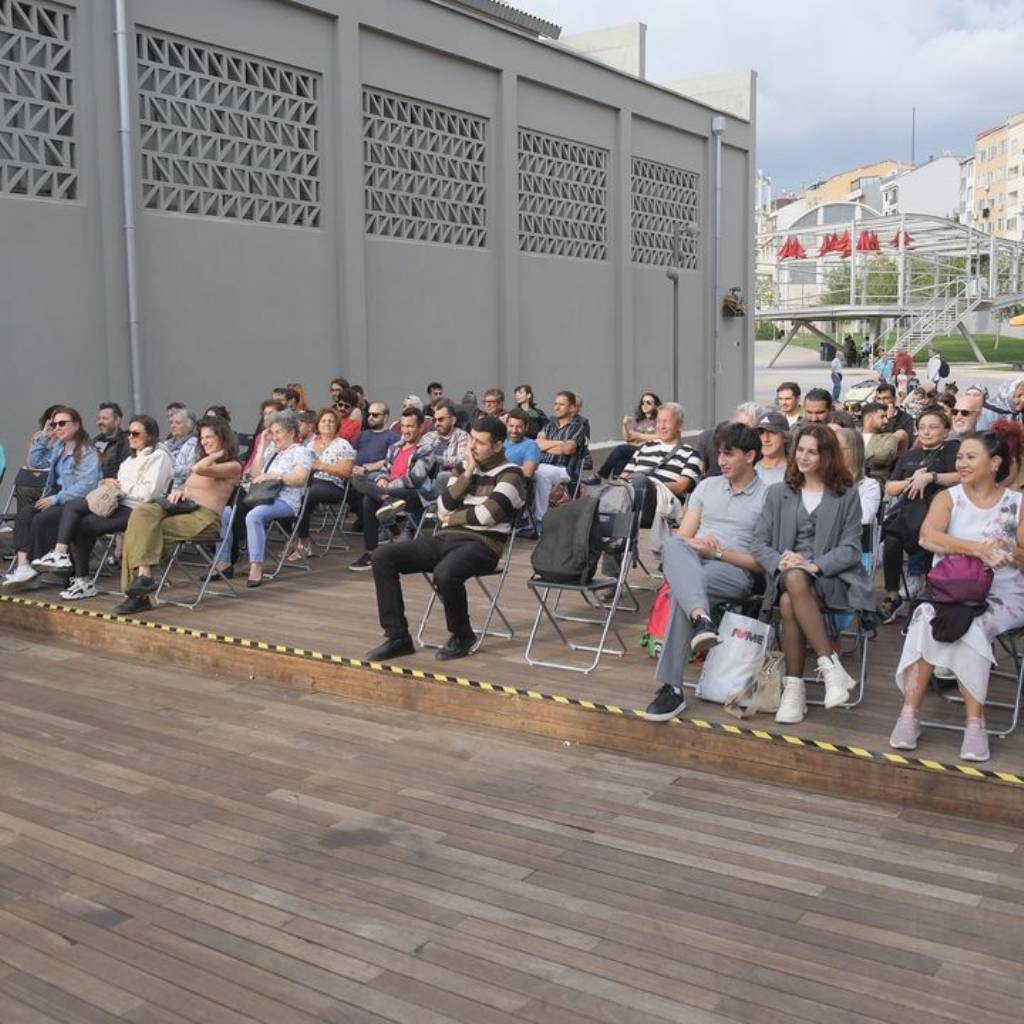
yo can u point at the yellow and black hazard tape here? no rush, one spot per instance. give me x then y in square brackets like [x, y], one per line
[728, 728]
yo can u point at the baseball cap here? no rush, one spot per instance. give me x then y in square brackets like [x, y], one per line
[773, 421]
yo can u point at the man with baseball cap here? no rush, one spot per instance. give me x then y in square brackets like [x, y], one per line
[773, 427]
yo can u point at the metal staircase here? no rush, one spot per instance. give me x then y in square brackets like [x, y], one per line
[939, 316]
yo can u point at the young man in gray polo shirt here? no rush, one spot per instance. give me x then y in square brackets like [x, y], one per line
[709, 560]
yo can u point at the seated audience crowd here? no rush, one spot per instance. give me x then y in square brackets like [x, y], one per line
[779, 510]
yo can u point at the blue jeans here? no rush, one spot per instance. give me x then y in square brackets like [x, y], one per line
[256, 522]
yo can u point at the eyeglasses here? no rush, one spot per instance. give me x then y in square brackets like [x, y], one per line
[136, 433]
[962, 412]
[62, 423]
[345, 405]
[372, 413]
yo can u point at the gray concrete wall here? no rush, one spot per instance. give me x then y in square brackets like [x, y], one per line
[231, 307]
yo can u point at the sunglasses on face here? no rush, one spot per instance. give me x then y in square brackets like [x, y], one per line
[62, 423]
[344, 405]
[136, 433]
[962, 412]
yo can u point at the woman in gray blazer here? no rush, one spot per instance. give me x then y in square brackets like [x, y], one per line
[808, 541]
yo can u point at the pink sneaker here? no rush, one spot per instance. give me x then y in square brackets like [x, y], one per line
[975, 745]
[906, 732]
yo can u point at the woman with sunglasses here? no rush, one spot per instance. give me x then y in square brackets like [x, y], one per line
[637, 430]
[74, 470]
[142, 477]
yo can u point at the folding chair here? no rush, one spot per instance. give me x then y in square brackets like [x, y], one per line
[615, 527]
[1011, 643]
[333, 518]
[244, 446]
[492, 596]
[25, 477]
[288, 529]
[204, 547]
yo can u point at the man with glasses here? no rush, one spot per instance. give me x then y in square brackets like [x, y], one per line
[374, 440]
[965, 417]
[349, 426]
[494, 403]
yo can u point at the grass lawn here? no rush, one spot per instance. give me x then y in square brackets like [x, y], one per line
[953, 348]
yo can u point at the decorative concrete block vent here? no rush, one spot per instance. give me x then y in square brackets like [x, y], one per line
[37, 110]
[425, 171]
[225, 134]
[563, 197]
[664, 200]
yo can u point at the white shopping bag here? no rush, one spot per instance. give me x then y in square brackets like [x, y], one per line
[731, 665]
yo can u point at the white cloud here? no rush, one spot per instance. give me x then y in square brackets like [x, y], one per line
[836, 83]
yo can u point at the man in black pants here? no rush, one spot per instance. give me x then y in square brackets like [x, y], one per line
[477, 512]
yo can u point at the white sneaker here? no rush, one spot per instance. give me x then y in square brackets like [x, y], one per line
[793, 706]
[22, 575]
[6, 528]
[80, 590]
[838, 682]
[51, 561]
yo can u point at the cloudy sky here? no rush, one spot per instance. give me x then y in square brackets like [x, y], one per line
[836, 82]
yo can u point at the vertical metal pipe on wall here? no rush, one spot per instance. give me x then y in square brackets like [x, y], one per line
[717, 130]
[128, 196]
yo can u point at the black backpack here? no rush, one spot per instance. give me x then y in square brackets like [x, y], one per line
[943, 368]
[570, 546]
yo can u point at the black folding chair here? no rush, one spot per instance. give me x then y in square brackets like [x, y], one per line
[616, 528]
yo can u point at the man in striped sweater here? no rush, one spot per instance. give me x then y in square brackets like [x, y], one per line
[477, 513]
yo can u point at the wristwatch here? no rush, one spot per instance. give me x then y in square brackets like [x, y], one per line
[935, 477]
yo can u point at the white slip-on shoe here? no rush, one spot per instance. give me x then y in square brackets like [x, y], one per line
[793, 706]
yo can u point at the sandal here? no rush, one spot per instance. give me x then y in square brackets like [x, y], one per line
[889, 608]
[301, 552]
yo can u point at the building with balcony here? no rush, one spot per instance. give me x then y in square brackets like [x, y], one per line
[998, 192]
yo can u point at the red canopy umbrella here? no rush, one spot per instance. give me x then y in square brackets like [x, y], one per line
[843, 245]
[868, 242]
[792, 249]
[907, 240]
[828, 244]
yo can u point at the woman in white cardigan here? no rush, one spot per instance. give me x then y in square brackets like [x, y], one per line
[143, 476]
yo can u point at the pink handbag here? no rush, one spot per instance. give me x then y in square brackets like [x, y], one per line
[959, 579]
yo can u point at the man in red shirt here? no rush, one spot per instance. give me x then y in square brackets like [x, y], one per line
[349, 425]
[904, 362]
[387, 486]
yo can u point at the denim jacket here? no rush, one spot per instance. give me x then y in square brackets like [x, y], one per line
[66, 479]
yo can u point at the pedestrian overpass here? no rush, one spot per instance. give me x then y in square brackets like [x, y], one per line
[910, 278]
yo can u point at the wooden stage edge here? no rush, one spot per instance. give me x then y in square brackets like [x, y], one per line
[741, 750]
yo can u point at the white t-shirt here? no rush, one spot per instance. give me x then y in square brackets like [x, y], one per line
[811, 499]
[837, 366]
[933, 368]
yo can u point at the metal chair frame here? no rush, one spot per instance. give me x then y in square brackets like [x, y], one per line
[334, 515]
[615, 526]
[1011, 644]
[492, 596]
[291, 536]
[207, 564]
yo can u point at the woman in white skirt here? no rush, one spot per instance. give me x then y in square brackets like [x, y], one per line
[979, 517]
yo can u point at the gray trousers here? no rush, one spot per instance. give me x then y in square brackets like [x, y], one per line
[695, 583]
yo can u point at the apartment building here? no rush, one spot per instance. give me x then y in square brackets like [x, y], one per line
[998, 155]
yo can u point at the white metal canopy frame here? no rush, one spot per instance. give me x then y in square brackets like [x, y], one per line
[926, 277]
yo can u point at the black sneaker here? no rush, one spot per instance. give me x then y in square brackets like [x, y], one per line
[142, 585]
[457, 647]
[705, 636]
[363, 563]
[667, 704]
[134, 605]
[392, 648]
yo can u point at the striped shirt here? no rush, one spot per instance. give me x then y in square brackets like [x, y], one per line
[486, 504]
[574, 430]
[654, 460]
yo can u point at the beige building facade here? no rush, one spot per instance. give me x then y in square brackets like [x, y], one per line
[998, 181]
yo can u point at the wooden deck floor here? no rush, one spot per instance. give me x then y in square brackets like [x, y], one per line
[175, 848]
[333, 610]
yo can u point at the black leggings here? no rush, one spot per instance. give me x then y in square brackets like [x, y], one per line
[616, 460]
[80, 529]
[35, 532]
[320, 493]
